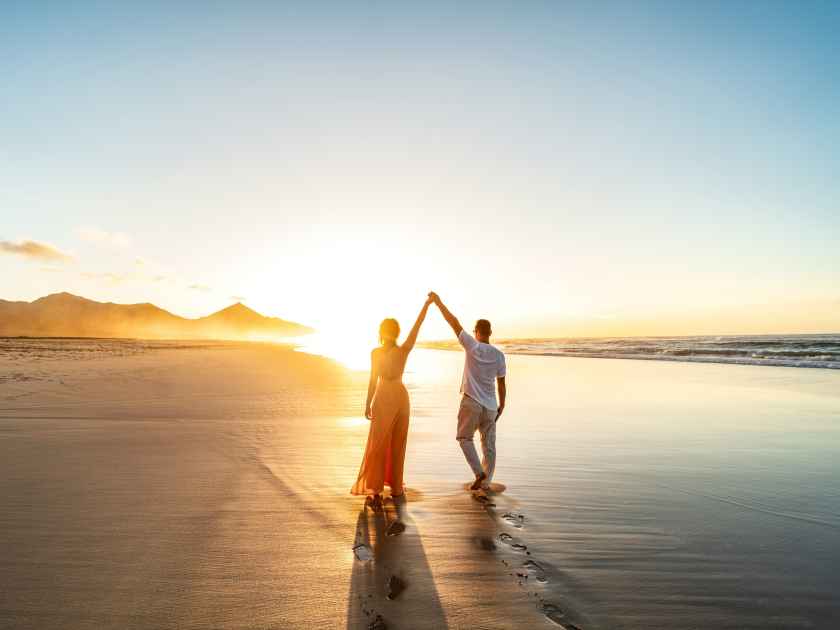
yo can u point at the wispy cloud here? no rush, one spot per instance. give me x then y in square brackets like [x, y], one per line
[199, 287]
[107, 276]
[103, 237]
[121, 277]
[34, 250]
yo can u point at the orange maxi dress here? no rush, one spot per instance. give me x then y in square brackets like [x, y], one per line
[384, 457]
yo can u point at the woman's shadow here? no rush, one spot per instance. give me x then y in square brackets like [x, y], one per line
[391, 585]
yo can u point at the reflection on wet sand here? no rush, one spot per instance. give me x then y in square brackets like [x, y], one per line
[391, 585]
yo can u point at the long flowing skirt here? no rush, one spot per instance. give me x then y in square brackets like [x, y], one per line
[384, 457]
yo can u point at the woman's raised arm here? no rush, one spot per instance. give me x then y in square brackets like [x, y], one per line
[412, 336]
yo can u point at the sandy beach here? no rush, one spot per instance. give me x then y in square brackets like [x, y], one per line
[205, 485]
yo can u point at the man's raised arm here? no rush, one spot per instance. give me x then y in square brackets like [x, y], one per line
[449, 317]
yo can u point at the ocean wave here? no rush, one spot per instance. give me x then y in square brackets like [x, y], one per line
[811, 351]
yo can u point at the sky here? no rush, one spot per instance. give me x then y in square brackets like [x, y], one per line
[562, 169]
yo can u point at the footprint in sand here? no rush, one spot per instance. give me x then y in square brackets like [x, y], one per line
[376, 620]
[483, 499]
[395, 587]
[512, 542]
[555, 614]
[363, 553]
[533, 569]
[396, 528]
[514, 519]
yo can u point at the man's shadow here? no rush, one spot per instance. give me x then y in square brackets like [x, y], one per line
[391, 577]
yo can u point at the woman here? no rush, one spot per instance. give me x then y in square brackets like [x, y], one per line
[387, 408]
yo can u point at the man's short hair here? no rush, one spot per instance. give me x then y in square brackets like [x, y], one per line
[482, 326]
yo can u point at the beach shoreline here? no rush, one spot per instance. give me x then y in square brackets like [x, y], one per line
[815, 351]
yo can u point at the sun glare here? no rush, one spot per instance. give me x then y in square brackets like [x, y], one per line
[349, 350]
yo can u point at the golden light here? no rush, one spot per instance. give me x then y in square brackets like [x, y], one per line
[346, 280]
[352, 422]
[351, 351]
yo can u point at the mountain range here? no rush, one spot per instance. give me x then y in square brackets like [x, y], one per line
[68, 315]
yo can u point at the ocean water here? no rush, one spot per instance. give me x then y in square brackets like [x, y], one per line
[811, 351]
[658, 494]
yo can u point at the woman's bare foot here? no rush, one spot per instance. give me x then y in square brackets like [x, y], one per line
[374, 502]
[479, 478]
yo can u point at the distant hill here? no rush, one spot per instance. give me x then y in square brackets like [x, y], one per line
[68, 315]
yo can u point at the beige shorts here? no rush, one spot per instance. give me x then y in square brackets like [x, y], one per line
[472, 417]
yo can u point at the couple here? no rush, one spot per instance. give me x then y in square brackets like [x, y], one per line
[388, 407]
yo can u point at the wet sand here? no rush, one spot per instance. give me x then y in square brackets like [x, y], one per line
[165, 485]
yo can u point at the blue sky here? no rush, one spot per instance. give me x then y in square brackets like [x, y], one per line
[566, 168]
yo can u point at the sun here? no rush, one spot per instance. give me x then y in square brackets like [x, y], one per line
[353, 352]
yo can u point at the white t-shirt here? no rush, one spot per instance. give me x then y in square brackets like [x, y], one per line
[483, 365]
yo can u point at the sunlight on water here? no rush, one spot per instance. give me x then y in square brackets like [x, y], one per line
[422, 367]
[352, 352]
[352, 421]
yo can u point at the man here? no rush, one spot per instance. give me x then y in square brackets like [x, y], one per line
[484, 368]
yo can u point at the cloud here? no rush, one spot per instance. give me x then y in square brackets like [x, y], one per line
[238, 298]
[107, 276]
[103, 237]
[34, 250]
[199, 287]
